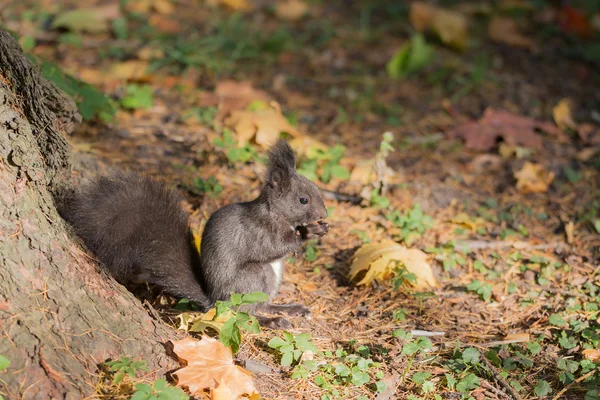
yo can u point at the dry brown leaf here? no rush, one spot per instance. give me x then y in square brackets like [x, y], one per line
[452, 27]
[376, 259]
[165, 24]
[515, 130]
[592, 354]
[291, 10]
[533, 178]
[563, 116]
[570, 232]
[264, 126]
[210, 366]
[505, 30]
[235, 95]
[517, 337]
[589, 133]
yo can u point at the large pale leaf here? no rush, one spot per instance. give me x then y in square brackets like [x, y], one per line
[377, 259]
[210, 366]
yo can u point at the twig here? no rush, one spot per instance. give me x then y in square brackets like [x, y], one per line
[512, 393]
[331, 195]
[497, 244]
[573, 383]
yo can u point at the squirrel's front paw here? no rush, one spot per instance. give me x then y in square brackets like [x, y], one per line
[314, 230]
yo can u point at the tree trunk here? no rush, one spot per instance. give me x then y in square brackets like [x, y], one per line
[59, 317]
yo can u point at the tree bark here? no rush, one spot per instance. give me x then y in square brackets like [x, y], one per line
[59, 317]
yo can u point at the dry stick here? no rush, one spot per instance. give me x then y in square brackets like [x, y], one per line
[573, 383]
[513, 394]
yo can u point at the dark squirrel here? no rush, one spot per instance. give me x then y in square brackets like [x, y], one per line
[137, 229]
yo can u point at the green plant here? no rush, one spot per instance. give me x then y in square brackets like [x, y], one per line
[402, 276]
[137, 97]
[483, 289]
[291, 347]
[125, 366]
[210, 186]
[91, 102]
[410, 58]
[324, 164]
[310, 254]
[234, 153]
[412, 223]
[159, 390]
[230, 334]
[204, 115]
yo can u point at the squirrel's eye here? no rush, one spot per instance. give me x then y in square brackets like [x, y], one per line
[303, 200]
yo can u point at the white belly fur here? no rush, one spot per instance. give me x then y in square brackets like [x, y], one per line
[278, 271]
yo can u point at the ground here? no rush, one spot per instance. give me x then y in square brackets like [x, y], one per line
[518, 268]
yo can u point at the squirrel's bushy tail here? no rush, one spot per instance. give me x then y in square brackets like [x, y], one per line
[137, 229]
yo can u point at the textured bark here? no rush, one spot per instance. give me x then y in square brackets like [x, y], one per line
[59, 317]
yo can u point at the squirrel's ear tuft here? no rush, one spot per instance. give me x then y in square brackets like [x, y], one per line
[281, 165]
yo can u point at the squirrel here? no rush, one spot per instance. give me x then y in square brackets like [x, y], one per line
[137, 229]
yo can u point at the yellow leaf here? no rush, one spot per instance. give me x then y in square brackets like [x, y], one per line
[291, 10]
[467, 221]
[363, 172]
[533, 178]
[570, 232]
[377, 260]
[562, 115]
[264, 126]
[452, 27]
[210, 366]
[129, 70]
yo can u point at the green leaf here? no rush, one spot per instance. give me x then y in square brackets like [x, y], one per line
[428, 387]
[339, 172]
[276, 342]
[420, 377]
[138, 97]
[534, 347]
[230, 335]
[287, 359]
[410, 348]
[359, 378]
[470, 355]
[468, 383]
[597, 225]
[342, 370]
[542, 388]
[119, 28]
[557, 320]
[381, 386]
[288, 337]
[4, 362]
[236, 299]
[410, 58]
[256, 297]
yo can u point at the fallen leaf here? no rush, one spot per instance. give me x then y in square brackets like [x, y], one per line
[90, 20]
[376, 259]
[363, 172]
[210, 366]
[592, 354]
[264, 126]
[570, 232]
[468, 221]
[165, 24]
[514, 129]
[570, 19]
[589, 133]
[517, 337]
[304, 144]
[533, 178]
[563, 116]
[234, 5]
[450, 26]
[236, 95]
[291, 10]
[133, 70]
[505, 30]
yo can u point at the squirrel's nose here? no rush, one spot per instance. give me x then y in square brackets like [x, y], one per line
[323, 214]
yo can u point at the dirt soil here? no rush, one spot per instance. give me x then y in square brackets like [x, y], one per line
[530, 273]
